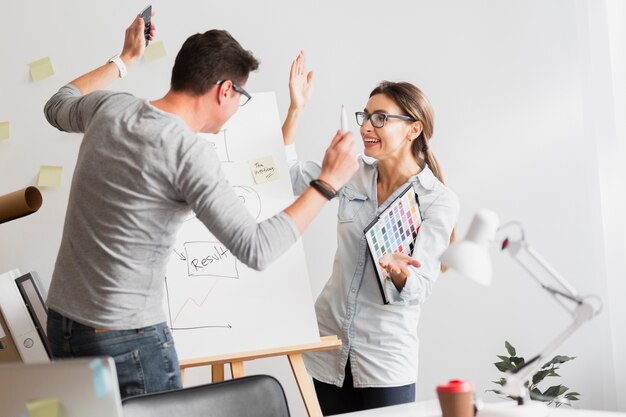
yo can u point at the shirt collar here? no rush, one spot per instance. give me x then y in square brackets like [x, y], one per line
[426, 178]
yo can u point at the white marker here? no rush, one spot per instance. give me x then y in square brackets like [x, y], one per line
[344, 119]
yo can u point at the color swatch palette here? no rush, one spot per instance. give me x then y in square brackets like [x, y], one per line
[395, 230]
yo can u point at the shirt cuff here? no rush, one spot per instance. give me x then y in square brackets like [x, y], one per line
[291, 154]
[71, 88]
[412, 290]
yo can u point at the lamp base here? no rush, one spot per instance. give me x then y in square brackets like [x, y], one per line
[511, 409]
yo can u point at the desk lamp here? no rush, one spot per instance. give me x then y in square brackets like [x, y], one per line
[470, 257]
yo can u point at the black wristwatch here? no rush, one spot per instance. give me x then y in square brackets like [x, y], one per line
[324, 188]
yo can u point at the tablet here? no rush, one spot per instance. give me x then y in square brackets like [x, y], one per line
[394, 231]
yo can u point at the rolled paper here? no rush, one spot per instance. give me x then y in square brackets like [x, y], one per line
[19, 204]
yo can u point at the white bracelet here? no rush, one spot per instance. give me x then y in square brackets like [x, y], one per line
[120, 65]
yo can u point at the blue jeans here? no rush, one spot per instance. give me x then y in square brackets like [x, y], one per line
[346, 399]
[145, 359]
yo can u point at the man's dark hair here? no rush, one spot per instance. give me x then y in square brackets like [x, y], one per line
[206, 58]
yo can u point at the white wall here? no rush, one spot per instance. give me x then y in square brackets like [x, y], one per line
[515, 132]
[616, 229]
[603, 30]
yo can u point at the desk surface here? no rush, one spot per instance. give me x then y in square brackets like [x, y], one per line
[431, 409]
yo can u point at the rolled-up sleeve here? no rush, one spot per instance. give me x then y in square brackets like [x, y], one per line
[432, 240]
[70, 111]
[301, 172]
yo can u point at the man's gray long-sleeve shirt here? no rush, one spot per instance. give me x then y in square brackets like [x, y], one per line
[139, 172]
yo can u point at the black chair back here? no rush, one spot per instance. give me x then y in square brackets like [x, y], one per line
[250, 396]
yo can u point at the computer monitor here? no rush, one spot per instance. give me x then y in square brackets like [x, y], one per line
[72, 388]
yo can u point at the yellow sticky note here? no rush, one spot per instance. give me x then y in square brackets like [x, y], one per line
[154, 51]
[41, 69]
[48, 407]
[4, 130]
[50, 176]
[263, 170]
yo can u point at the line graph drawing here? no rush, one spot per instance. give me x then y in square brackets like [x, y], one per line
[174, 321]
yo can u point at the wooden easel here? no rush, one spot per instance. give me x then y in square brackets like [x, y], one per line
[294, 353]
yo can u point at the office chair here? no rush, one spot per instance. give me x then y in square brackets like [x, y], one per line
[250, 396]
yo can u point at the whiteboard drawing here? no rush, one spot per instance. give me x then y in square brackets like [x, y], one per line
[190, 309]
[250, 198]
[210, 259]
[220, 144]
[216, 304]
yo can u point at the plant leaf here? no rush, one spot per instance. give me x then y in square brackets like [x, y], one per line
[504, 366]
[558, 359]
[517, 361]
[501, 382]
[535, 394]
[539, 376]
[556, 394]
[509, 348]
[555, 390]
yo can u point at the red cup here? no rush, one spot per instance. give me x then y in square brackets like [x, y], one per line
[456, 398]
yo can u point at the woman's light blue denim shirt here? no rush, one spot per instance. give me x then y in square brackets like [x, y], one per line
[380, 339]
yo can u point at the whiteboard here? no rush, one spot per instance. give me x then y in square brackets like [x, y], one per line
[214, 302]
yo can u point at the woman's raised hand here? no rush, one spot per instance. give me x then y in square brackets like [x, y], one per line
[300, 82]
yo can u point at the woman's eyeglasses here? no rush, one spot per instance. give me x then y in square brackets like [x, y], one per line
[378, 119]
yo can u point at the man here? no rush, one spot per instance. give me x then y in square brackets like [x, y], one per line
[140, 169]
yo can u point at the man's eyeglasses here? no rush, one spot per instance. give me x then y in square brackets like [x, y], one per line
[378, 119]
[244, 95]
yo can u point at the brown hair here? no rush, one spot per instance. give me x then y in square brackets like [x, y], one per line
[414, 103]
[206, 58]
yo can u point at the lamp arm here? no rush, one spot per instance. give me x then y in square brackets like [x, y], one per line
[583, 311]
[515, 385]
[516, 248]
[566, 285]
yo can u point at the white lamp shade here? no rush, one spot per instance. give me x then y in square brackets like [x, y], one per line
[470, 260]
[470, 257]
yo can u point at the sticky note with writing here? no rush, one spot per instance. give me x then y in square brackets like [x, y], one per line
[154, 51]
[41, 69]
[263, 170]
[50, 176]
[4, 130]
[47, 407]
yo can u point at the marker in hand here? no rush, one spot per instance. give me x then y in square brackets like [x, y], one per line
[344, 119]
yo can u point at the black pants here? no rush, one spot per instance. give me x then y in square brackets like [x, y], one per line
[336, 400]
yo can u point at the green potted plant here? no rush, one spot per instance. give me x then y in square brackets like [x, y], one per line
[555, 394]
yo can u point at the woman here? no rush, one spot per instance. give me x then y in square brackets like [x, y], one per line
[377, 363]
